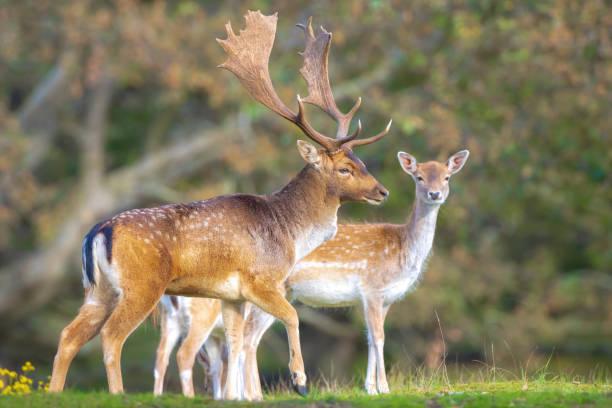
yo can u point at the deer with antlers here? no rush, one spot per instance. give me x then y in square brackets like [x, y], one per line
[368, 265]
[236, 248]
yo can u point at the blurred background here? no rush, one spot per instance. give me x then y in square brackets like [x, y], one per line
[111, 105]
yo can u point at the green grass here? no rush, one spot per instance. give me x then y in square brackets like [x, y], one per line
[486, 386]
[500, 394]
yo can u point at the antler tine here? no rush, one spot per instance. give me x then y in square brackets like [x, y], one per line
[346, 139]
[247, 57]
[361, 142]
[315, 72]
[328, 143]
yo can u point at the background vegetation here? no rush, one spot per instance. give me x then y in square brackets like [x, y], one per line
[116, 104]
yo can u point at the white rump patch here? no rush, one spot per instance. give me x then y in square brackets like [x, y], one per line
[101, 267]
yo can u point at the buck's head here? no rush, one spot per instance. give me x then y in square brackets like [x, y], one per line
[432, 177]
[344, 173]
[248, 53]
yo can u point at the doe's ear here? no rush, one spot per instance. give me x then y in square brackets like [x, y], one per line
[407, 161]
[457, 160]
[309, 152]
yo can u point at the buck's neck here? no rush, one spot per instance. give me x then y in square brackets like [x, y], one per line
[419, 233]
[308, 210]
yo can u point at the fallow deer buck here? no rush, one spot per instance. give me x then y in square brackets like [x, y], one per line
[372, 265]
[236, 248]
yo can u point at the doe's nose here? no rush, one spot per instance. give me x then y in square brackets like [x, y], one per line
[434, 195]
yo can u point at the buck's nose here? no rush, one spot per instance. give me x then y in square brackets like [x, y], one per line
[434, 195]
[383, 192]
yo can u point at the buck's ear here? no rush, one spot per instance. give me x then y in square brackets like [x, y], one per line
[457, 160]
[407, 161]
[309, 152]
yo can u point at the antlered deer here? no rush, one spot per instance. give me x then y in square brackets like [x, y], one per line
[372, 265]
[236, 248]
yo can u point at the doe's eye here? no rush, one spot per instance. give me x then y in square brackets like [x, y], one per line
[447, 178]
[419, 178]
[344, 170]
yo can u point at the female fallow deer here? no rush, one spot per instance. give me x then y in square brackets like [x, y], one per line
[372, 265]
[236, 248]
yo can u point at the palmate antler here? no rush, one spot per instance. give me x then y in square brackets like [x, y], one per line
[247, 57]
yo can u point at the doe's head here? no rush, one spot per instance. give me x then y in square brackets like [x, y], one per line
[432, 177]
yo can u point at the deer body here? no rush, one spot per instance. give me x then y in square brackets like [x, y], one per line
[367, 265]
[370, 265]
[380, 260]
[236, 248]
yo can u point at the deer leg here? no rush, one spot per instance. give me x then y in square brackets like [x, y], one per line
[131, 310]
[273, 302]
[233, 320]
[170, 333]
[257, 324]
[375, 318]
[83, 328]
[222, 377]
[187, 352]
[213, 364]
[370, 382]
[383, 386]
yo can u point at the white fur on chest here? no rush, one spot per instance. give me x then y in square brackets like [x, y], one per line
[315, 237]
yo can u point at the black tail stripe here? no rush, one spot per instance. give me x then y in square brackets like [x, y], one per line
[107, 231]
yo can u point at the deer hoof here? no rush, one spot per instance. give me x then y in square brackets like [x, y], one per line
[300, 389]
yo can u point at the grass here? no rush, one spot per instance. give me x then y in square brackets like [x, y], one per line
[433, 392]
[485, 386]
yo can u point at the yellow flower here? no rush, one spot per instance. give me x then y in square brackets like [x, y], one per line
[27, 367]
[12, 374]
[1, 384]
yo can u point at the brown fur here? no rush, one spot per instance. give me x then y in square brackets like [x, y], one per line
[196, 249]
[237, 247]
[376, 255]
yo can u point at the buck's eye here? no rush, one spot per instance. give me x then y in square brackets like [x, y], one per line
[447, 178]
[344, 170]
[419, 178]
